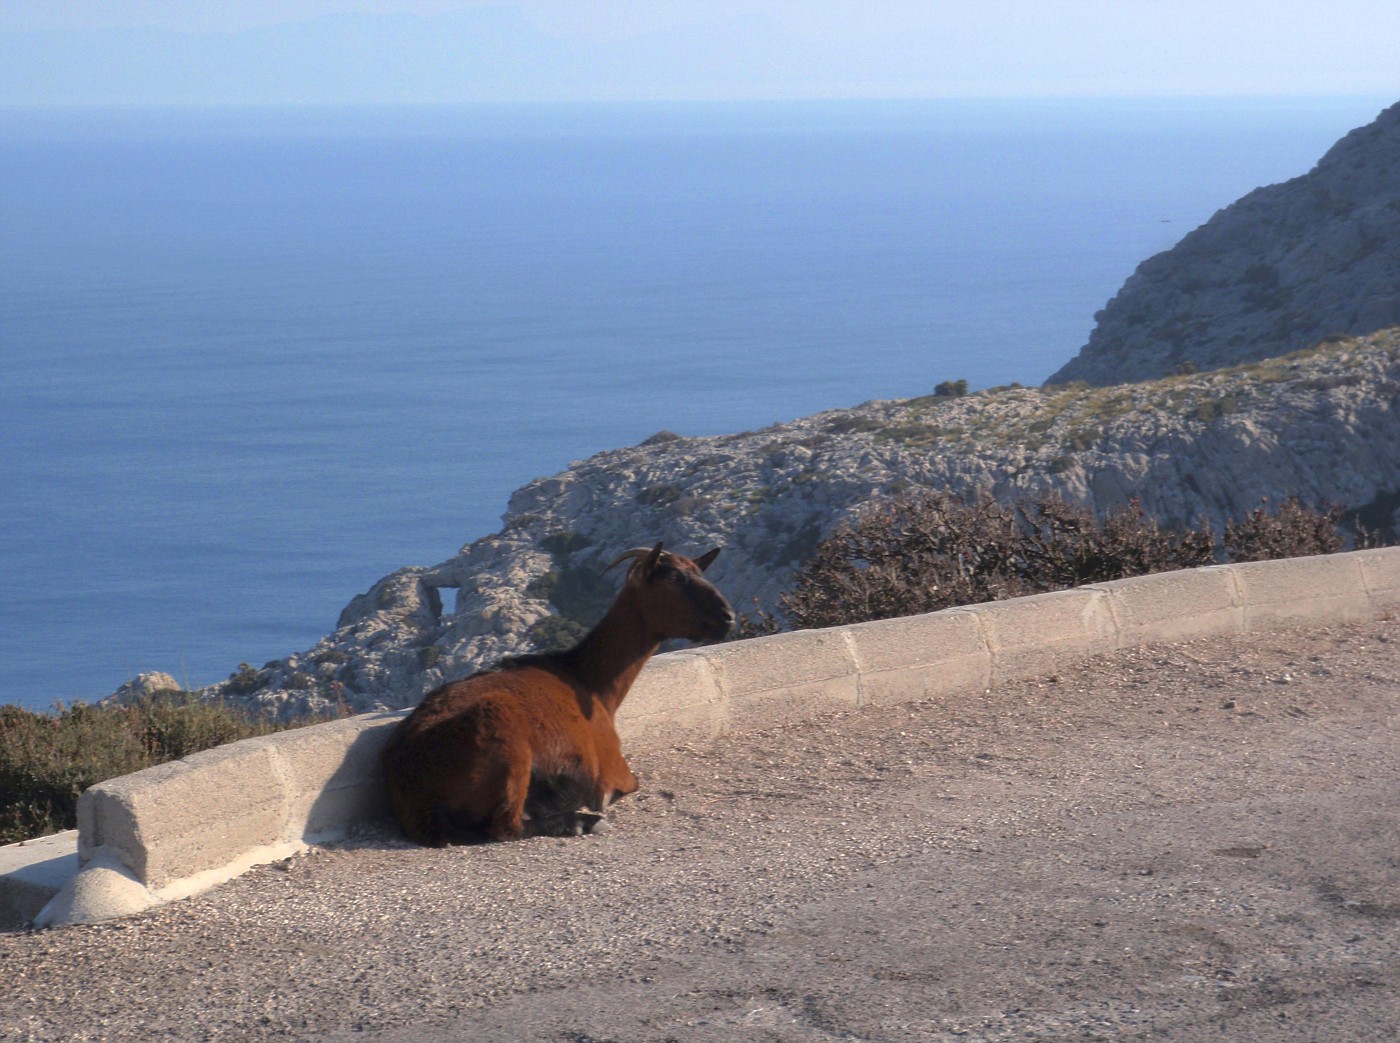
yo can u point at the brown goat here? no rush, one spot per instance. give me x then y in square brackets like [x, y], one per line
[530, 748]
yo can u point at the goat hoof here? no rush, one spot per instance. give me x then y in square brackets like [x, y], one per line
[589, 822]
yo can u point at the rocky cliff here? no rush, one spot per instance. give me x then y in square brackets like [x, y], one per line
[1323, 423]
[1272, 273]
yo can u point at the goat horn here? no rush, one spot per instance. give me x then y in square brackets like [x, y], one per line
[635, 552]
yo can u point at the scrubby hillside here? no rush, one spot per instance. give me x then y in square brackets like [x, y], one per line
[1323, 423]
[1272, 273]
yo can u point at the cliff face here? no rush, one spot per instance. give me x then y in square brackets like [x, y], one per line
[1323, 423]
[1282, 269]
[1272, 273]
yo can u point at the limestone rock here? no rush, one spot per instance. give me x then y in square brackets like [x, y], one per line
[144, 685]
[1277, 271]
[1323, 423]
[1285, 268]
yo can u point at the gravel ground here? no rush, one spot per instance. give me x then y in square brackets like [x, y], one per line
[1189, 842]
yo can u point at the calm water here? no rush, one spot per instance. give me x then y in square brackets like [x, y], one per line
[254, 360]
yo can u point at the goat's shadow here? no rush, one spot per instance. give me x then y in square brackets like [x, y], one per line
[351, 811]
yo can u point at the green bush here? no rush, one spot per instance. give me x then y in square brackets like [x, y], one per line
[847, 424]
[583, 593]
[246, 679]
[564, 542]
[47, 760]
[555, 633]
[542, 586]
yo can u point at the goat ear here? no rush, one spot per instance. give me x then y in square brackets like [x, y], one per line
[705, 560]
[651, 560]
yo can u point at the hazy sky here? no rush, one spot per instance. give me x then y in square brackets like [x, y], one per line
[203, 51]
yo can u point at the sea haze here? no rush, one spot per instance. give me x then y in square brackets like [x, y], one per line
[253, 360]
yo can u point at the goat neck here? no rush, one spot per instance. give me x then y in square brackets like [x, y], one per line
[612, 654]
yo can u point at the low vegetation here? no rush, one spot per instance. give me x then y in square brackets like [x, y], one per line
[921, 552]
[1291, 530]
[48, 759]
[917, 552]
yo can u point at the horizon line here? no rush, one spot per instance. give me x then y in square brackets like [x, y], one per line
[1338, 96]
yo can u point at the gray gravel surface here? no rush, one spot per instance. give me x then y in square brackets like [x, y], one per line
[1190, 842]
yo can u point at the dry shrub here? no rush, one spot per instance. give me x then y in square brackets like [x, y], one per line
[1293, 530]
[910, 555]
[927, 551]
[1067, 545]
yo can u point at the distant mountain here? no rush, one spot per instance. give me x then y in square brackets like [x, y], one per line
[1321, 423]
[1274, 272]
[477, 54]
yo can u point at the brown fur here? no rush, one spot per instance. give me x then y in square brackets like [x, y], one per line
[520, 749]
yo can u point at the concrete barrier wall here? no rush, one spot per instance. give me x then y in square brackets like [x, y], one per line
[251, 801]
[180, 828]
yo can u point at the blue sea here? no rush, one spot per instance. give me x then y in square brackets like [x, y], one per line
[253, 360]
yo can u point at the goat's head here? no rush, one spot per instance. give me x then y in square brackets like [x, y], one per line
[676, 600]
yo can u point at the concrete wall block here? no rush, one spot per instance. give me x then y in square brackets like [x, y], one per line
[918, 657]
[1175, 606]
[189, 816]
[676, 699]
[187, 825]
[333, 775]
[105, 818]
[1325, 588]
[1380, 570]
[31, 873]
[1034, 636]
[784, 677]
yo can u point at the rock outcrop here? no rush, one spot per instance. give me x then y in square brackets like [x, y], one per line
[1322, 423]
[1274, 272]
[1286, 267]
[144, 686]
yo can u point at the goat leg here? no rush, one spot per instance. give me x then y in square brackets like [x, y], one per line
[567, 824]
